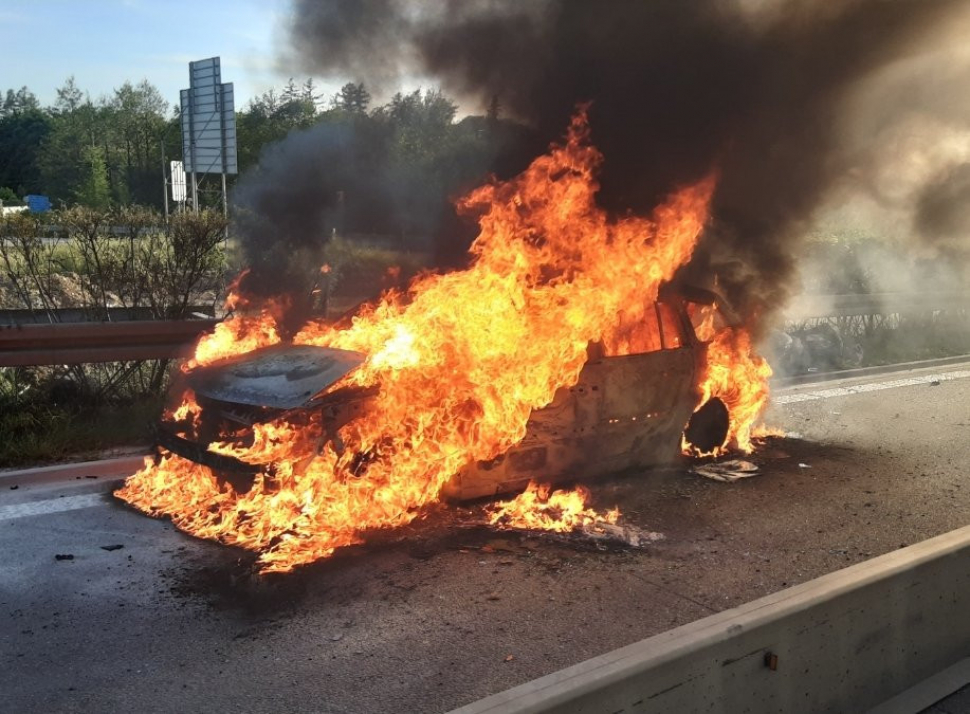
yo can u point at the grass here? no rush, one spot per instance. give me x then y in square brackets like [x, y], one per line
[35, 433]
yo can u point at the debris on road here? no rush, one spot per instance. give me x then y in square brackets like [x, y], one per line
[622, 534]
[117, 546]
[598, 533]
[64, 556]
[726, 471]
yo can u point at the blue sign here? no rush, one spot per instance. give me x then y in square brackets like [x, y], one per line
[38, 204]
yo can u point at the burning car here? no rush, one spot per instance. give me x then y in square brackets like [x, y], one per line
[564, 350]
[626, 410]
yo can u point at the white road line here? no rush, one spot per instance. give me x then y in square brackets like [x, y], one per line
[56, 505]
[871, 387]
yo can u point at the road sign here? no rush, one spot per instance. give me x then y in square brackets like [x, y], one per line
[178, 182]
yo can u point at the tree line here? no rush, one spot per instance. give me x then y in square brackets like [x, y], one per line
[109, 152]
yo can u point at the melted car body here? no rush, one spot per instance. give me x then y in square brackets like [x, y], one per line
[626, 410]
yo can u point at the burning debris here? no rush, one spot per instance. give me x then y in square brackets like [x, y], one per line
[539, 508]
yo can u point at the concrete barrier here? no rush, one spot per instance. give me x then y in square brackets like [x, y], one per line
[849, 641]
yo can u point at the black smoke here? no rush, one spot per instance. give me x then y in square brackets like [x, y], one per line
[678, 88]
[942, 215]
[366, 178]
[304, 189]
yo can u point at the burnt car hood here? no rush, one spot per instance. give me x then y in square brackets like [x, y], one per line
[280, 377]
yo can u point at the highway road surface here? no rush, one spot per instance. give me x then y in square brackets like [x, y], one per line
[438, 615]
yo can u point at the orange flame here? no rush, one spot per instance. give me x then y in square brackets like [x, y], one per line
[234, 298]
[739, 378]
[242, 333]
[538, 509]
[461, 362]
[187, 410]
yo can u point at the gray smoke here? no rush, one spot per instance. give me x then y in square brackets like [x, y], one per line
[678, 87]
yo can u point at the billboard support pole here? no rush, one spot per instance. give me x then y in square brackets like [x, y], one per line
[161, 144]
[225, 198]
[195, 193]
[225, 206]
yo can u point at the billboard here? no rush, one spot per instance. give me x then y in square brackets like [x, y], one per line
[208, 118]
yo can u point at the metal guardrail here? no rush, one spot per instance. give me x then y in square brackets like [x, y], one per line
[805, 307]
[79, 343]
[22, 316]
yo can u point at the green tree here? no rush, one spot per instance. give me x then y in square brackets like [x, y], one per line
[422, 160]
[309, 94]
[128, 129]
[93, 190]
[23, 100]
[75, 124]
[494, 111]
[271, 116]
[69, 97]
[23, 129]
[352, 98]
[136, 114]
[8, 197]
[291, 92]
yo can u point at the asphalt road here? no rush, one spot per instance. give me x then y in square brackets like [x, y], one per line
[438, 615]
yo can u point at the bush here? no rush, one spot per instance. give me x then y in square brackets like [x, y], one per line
[97, 260]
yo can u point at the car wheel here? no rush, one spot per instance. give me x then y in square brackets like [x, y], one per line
[708, 426]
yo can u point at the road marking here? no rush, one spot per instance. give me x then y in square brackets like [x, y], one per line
[57, 505]
[872, 387]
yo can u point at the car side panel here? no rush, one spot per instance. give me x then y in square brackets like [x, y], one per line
[624, 412]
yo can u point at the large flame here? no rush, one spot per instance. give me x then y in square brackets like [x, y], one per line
[460, 362]
[739, 378]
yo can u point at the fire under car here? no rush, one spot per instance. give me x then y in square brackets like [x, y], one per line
[625, 412]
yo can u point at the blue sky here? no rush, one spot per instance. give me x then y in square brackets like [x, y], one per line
[105, 42]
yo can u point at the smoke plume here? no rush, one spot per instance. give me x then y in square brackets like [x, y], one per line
[756, 90]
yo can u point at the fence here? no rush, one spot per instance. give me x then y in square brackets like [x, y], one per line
[862, 314]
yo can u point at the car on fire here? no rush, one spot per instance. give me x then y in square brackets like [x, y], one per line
[626, 411]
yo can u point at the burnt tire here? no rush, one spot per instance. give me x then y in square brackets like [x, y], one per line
[708, 426]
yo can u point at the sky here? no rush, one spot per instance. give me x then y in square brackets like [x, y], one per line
[103, 43]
